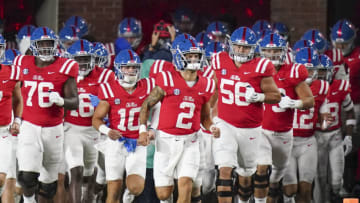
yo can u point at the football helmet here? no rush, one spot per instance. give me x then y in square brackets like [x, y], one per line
[82, 27]
[203, 39]
[68, 36]
[127, 58]
[217, 31]
[101, 54]
[303, 44]
[261, 25]
[178, 39]
[309, 57]
[326, 68]
[245, 37]
[213, 48]
[281, 29]
[131, 30]
[25, 31]
[273, 47]
[184, 20]
[10, 55]
[43, 43]
[344, 34]
[82, 51]
[184, 47]
[316, 38]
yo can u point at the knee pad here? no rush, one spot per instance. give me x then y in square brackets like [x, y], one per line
[196, 199]
[48, 190]
[245, 192]
[28, 179]
[262, 178]
[226, 182]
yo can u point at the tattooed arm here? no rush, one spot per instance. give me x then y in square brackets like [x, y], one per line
[155, 96]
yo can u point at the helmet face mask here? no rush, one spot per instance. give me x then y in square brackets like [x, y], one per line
[242, 52]
[2, 51]
[313, 75]
[86, 63]
[345, 47]
[276, 55]
[127, 68]
[44, 49]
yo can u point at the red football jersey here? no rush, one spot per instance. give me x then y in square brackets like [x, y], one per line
[353, 62]
[86, 87]
[305, 120]
[337, 58]
[181, 107]
[37, 84]
[287, 78]
[9, 76]
[232, 82]
[289, 57]
[339, 89]
[160, 66]
[124, 107]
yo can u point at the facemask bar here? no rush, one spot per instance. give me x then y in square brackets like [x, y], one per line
[188, 65]
[85, 67]
[126, 79]
[240, 57]
[44, 53]
[276, 59]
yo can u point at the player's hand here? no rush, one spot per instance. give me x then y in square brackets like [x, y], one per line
[152, 133]
[114, 134]
[154, 38]
[286, 102]
[15, 128]
[143, 139]
[215, 131]
[55, 98]
[327, 120]
[347, 142]
[172, 32]
[251, 96]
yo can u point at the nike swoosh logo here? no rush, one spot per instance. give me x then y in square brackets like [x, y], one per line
[5, 81]
[252, 138]
[58, 136]
[333, 93]
[201, 93]
[350, 59]
[4, 136]
[142, 97]
[247, 73]
[91, 84]
[281, 78]
[51, 73]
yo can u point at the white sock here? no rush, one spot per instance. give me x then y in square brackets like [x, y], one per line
[260, 200]
[29, 199]
[289, 199]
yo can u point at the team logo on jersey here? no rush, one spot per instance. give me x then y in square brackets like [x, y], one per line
[26, 71]
[223, 72]
[176, 91]
[117, 101]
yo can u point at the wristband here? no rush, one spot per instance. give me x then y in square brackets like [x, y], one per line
[351, 122]
[104, 129]
[18, 120]
[261, 97]
[142, 128]
[298, 104]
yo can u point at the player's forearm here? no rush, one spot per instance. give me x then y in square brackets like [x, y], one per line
[307, 102]
[17, 107]
[71, 103]
[272, 97]
[97, 122]
[144, 113]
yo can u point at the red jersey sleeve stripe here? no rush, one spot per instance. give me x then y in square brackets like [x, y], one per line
[213, 86]
[18, 60]
[161, 66]
[62, 69]
[171, 81]
[12, 75]
[334, 52]
[321, 91]
[69, 67]
[264, 66]
[259, 65]
[17, 73]
[342, 85]
[347, 85]
[148, 87]
[165, 78]
[109, 89]
[155, 66]
[103, 89]
[206, 72]
[339, 55]
[102, 76]
[208, 84]
[327, 88]
[152, 83]
[292, 70]
[297, 71]
[108, 73]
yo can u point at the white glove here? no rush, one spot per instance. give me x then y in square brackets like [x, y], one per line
[251, 96]
[347, 142]
[288, 103]
[55, 98]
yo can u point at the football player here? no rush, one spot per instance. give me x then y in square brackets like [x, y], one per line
[244, 83]
[49, 86]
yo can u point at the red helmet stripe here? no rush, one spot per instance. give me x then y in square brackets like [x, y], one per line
[186, 36]
[45, 33]
[192, 43]
[82, 45]
[272, 39]
[76, 21]
[202, 38]
[131, 55]
[14, 52]
[128, 25]
[74, 31]
[339, 32]
[244, 34]
[313, 36]
[28, 31]
[216, 26]
[215, 47]
[309, 55]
